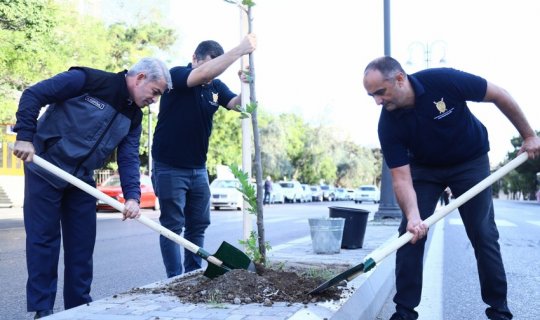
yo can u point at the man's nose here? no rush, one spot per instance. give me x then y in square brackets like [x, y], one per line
[378, 100]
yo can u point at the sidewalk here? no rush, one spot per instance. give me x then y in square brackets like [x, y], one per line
[366, 296]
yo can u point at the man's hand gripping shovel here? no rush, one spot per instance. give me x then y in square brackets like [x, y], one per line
[379, 254]
[226, 258]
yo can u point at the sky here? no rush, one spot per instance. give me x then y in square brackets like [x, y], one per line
[311, 54]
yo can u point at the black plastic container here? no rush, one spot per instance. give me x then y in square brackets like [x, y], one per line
[355, 225]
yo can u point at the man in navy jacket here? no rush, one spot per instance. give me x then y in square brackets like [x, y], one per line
[90, 113]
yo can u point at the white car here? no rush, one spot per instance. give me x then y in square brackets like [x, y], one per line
[225, 194]
[306, 195]
[367, 193]
[292, 190]
[277, 195]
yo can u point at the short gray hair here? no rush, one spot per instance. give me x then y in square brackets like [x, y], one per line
[154, 69]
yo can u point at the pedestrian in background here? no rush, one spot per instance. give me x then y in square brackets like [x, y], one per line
[431, 140]
[90, 114]
[181, 143]
[267, 190]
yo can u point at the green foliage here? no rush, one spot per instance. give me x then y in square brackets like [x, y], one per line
[523, 179]
[245, 113]
[225, 142]
[252, 249]
[131, 43]
[247, 3]
[246, 188]
[40, 38]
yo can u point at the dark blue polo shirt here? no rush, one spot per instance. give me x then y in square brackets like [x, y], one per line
[185, 120]
[440, 129]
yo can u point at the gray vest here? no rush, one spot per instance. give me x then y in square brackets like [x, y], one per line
[78, 135]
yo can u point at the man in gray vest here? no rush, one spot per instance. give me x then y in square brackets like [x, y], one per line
[91, 113]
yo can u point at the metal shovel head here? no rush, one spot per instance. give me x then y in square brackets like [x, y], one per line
[345, 275]
[232, 258]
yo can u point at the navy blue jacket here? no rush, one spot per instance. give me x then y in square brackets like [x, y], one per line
[89, 115]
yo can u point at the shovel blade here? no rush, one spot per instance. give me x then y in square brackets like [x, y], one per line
[232, 258]
[345, 275]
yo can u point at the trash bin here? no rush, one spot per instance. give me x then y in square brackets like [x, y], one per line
[355, 225]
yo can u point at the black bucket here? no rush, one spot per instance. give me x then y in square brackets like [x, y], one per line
[355, 225]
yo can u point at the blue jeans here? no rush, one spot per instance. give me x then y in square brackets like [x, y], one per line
[479, 220]
[52, 216]
[184, 198]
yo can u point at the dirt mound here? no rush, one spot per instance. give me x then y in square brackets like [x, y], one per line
[267, 286]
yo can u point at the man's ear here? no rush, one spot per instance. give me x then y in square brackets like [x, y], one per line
[140, 76]
[400, 78]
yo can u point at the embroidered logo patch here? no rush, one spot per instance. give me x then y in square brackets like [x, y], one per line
[215, 97]
[96, 103]
[441, 106]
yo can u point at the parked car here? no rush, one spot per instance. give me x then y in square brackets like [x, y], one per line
[350, 194]
[306, 195]
[316, 193]
[329, 192]
[112, 188]
[367, 193]
[277, 195]
[225, 194]
[341, 194]
[292, 190]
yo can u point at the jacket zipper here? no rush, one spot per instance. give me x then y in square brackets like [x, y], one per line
[96, 144]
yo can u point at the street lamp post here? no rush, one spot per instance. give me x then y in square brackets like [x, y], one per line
[428, 49]
[388, 207]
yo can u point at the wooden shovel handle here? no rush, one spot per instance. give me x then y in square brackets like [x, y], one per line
[382, 253]
[120, 207]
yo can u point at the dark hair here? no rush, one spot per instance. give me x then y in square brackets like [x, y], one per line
[208, 48]
[386, 65]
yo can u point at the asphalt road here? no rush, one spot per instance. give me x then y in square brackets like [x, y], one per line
[127, 253]
[453, 292]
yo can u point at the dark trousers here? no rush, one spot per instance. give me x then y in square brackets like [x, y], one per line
[267, 197]
[478, 217]
[52, 215]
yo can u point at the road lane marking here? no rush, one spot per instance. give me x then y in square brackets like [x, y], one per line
[537, 223]
[291, 243]
[499, 222]
[431, 305]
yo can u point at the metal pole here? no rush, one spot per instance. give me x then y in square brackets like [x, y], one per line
[388, 207]
[246, 128]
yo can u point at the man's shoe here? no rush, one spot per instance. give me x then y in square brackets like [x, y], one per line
[500, 317]
[496, 315]
[396, 316]
[43, 314]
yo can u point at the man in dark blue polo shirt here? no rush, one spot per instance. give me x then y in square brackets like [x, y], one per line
[431, 140]
[181, 143]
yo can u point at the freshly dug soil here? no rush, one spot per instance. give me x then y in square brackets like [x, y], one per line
[268, 285]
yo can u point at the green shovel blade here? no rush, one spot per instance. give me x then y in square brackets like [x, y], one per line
[232, 258]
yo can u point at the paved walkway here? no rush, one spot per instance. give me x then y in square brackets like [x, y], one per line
[366, 293]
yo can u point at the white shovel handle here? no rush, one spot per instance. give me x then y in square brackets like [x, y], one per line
[382, 253]
[120, 207]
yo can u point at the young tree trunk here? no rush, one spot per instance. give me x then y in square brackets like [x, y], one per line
[256, 141]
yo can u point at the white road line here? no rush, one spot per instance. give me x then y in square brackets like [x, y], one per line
[431, 305]
[499, 222]
[291, 243]
[537, 223]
